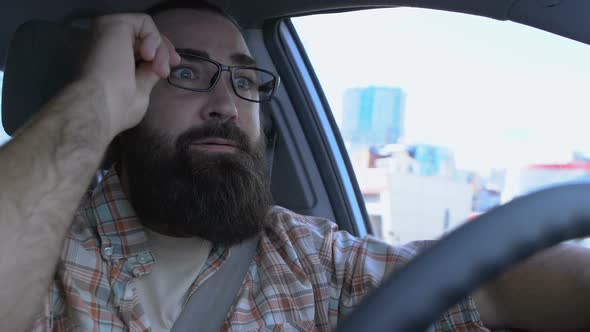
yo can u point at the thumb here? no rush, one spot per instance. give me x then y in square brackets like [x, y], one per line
[145, 78]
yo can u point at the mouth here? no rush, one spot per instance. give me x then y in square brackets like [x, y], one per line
[215, 144]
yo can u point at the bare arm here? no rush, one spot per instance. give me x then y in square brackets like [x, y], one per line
[46, 168]
[549, 292]
[43, 174]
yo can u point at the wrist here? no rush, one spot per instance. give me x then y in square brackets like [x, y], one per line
[88, 101]
[111, 102]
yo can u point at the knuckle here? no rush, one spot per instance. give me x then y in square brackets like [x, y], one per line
[146, 20]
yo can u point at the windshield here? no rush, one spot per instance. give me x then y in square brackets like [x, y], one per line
[447, 115]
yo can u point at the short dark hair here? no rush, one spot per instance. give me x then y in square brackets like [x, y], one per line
[190, 4]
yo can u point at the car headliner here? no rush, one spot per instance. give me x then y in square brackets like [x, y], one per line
[564, 17]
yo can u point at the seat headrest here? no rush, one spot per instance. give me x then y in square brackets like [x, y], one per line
[42, 58]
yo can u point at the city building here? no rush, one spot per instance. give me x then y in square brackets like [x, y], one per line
[373, 116]
[410, 191]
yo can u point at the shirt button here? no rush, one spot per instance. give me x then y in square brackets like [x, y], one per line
[129, 291]
[143, 258]
[108, 251]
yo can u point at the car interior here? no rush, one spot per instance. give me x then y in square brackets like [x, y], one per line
[310, 170]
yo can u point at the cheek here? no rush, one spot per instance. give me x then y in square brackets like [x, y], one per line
[167, 110]
[249, 120]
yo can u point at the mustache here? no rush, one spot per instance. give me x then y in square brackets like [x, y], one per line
[225, 130]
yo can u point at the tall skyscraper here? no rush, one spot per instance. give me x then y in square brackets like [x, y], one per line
[373, 115]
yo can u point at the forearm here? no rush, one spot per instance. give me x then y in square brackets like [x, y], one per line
[549, 292]
[44, 171]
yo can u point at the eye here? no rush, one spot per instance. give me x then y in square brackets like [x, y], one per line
[244, 83]
[183, 73]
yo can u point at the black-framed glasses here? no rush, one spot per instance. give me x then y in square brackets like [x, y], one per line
[201, 74]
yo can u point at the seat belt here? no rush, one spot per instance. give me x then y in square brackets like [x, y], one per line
[208, 306]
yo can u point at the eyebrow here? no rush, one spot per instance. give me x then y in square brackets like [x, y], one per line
[239, 59]
[242, 59]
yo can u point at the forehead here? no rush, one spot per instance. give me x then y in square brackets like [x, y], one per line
[203, 31]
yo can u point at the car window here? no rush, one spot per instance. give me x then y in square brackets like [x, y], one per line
[3, 135]
[447, 115]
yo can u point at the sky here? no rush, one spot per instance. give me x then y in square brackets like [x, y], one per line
[499, 94]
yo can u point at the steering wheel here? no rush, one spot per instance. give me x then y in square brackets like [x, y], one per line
[413, 298]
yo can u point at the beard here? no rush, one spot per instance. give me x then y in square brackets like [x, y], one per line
[184, 192]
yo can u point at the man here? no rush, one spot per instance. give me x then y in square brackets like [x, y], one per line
[187, 186]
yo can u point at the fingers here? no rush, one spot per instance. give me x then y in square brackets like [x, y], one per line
[153, 53]
[160, 52]
[148, 46]
[146, 78]
[148, 74]
[174, 57]
[166, 56]
[154, 47]
[145, 30]
[161, 62]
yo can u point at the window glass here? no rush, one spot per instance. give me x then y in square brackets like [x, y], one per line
[446, 115]
[3, 135]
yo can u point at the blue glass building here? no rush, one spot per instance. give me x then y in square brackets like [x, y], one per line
[373, 116]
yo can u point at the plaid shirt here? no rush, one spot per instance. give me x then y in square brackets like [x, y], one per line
[305, 275]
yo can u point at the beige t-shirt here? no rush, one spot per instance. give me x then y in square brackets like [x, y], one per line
[163, 292]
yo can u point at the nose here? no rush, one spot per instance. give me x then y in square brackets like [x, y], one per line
[221, 104]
